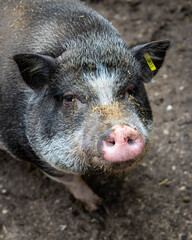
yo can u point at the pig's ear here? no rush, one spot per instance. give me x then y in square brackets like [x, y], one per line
[151, 56]
[35, 69]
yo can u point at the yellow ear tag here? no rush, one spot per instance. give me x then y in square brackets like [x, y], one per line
[150, 62]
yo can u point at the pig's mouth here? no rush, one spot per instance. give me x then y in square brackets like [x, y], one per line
[100, 165]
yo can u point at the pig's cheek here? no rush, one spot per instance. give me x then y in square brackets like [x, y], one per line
[88, 139]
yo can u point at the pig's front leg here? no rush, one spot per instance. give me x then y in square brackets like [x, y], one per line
[80, 190]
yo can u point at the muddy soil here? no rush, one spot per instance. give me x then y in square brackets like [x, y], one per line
[154, 202]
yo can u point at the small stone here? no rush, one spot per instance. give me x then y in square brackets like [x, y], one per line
[156, 94]
[173, 168]
[4, 191]
[181, 88]
[183, 188]
[57, 201]
[4, 211]
[93, 220]
[169, 108]
[62, 227]
[144, 164]
[166, 132]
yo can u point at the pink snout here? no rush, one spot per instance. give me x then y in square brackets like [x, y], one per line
[121, 144]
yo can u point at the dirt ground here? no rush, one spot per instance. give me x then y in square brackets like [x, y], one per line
[154, 202]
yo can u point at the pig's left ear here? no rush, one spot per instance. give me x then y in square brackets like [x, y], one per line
[150, 56]
[35, 69]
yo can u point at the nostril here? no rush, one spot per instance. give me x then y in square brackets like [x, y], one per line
[130, 141]
[110, 143]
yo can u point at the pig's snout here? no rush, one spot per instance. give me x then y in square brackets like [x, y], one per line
[122, 143]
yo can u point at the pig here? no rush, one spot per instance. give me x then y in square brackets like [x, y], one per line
[72, 94]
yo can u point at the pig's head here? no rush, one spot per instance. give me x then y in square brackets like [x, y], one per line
[87, 109]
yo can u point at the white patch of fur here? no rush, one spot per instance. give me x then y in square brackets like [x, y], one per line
[61, 152]
[102, 84]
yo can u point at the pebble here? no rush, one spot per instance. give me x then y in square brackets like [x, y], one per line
[173, 168]
[156, 94]
[57, 201]
[144, 164]
[62, 227]
[169, 108]
[93, 220]
[4, 211]
[181, 88]
[166, 132]
[4, 191]
[183, 188]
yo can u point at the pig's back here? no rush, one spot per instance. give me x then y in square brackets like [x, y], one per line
[45, 26]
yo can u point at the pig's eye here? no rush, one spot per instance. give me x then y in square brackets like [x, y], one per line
[72, 101]
[69, 99]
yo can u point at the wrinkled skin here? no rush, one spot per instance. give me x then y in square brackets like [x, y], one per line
[67, 78]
